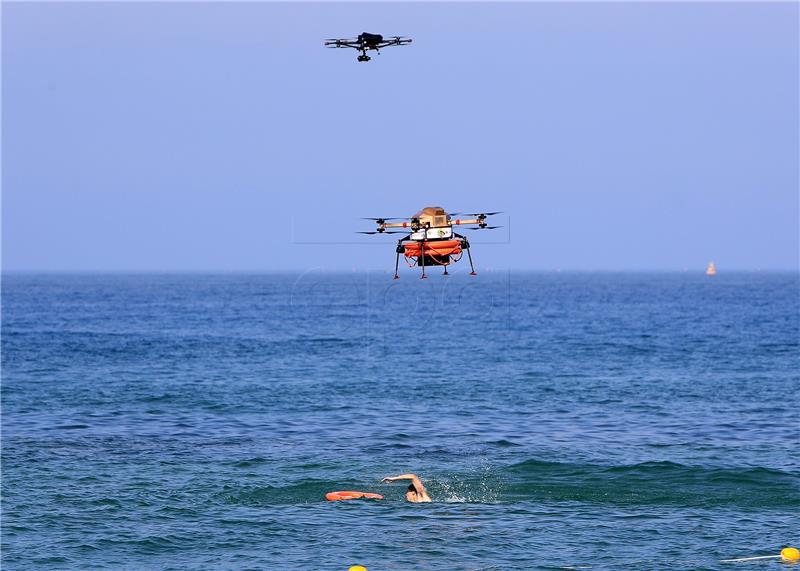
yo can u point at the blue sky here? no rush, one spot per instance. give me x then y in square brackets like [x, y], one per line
[183, 136]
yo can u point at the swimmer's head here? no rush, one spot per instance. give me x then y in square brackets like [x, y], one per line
[411, 493]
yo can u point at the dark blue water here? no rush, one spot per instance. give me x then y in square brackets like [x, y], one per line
[559, 420]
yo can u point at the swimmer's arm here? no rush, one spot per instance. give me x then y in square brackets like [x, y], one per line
[415, 481]
[400, 477]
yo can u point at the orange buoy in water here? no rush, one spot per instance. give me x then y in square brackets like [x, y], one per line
[336, 496]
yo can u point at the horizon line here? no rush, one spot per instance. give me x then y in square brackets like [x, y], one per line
[265, 271]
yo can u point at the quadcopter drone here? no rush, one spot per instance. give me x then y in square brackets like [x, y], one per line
[431, 240]
[366, 41]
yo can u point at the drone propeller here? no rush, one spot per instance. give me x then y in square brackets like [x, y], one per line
[485, 228]
[384, 232]
[483, 213]
[382, 221]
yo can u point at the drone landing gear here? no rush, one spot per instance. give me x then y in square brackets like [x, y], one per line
[465, 246]
[422, 259]
[471, 267]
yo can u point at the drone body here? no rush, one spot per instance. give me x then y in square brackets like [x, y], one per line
[366, 41]
[430, 239]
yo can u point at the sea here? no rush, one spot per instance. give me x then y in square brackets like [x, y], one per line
[558, 420]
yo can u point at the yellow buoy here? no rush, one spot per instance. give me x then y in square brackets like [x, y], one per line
[357, 568]
[790, 554]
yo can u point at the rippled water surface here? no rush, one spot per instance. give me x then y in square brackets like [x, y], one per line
[559, 420]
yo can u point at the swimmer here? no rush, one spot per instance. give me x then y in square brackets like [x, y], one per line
[416, 492]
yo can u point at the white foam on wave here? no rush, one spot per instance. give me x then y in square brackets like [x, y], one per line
[481, 486]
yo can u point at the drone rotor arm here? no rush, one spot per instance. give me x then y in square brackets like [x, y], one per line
[466, 221]
[395, 41]
[342, 43]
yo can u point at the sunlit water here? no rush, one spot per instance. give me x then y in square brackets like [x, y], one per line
[559, 420]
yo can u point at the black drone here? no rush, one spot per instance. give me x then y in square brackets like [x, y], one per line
[365, 42]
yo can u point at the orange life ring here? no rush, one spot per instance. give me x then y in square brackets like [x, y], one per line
[335, 496]
[433, 248]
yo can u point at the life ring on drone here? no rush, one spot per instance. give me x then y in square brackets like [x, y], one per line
[433, 248]
[336, 496]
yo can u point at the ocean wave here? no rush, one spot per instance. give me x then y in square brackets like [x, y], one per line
[645, 484]
[653, 483]
[302, 492]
